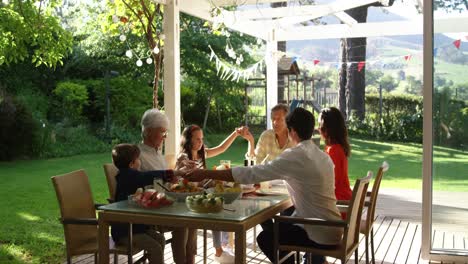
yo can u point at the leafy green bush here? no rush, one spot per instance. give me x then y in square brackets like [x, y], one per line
[17, 130]
[129, 98]
[63, 140]
[401, 119]
[72, 98]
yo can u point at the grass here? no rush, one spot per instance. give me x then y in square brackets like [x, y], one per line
[31, 233]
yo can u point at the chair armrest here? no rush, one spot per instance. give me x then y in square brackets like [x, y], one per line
[310, 221]
[97, 205]
[79, 221]
[342, 202]
[342, 208]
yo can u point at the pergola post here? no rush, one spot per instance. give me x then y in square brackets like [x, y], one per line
[271, 63]
[172, 78]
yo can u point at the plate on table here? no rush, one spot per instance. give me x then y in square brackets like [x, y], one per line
[269, 192]
[248, 189]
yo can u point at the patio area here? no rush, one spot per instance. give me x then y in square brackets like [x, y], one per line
[397, 231]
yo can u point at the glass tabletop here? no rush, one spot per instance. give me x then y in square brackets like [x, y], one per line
[244, 208]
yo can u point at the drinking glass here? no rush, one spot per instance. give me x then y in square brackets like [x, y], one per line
[226, 163]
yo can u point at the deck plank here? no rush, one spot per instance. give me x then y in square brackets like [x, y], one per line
[396, 241]
[406, 243]
[395, 245]
[385, 242]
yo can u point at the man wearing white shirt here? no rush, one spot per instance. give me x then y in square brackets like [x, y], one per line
[309, 177]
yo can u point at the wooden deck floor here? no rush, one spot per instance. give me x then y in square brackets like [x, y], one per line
[396, 241]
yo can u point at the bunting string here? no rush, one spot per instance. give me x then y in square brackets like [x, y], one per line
[227, 71]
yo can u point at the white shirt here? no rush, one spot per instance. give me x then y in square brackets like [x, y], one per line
[151, 159]
[309, 177]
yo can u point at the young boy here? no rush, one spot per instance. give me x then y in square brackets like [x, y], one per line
[129, 179]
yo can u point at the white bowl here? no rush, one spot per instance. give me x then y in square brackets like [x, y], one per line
[180, 196]
[229, 197]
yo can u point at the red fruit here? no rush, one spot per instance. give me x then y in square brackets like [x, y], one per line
[146, 196]
[185, 181]
[165, 201]
[155, 203]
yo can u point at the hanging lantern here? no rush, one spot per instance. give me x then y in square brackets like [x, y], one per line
[123, 38]
[129, 53]
[149, 60]
[156, 50]
[139, 63]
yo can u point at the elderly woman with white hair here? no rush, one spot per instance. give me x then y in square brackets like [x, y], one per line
[154, 126]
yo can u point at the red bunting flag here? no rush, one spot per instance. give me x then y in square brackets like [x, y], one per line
[361, 65]
[466, 37]
[457, 43]
[408, 57]
[316, 62]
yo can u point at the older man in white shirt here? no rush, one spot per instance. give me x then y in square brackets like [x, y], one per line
[154, 131]
[309, 177]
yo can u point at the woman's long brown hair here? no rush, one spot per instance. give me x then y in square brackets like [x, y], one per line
[332, 123]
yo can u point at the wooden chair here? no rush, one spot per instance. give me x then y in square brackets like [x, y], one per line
[367, 223]
[78, 216]
[350, 240]
[111, 171]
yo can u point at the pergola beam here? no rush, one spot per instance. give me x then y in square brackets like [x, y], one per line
[310, 11]
[202, 9]
[221, 3]
[378, 29]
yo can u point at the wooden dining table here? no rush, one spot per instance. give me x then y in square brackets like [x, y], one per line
[241, 215]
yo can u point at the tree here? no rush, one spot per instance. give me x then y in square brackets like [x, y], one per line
[414, 86]
[200, 82]
[388, 83]
[140, 18]
[352, 79]
[456, 5]
[30, 30]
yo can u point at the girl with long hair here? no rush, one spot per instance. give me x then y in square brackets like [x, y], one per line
[192, 148]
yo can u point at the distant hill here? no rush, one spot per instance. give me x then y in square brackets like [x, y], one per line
[381, 48]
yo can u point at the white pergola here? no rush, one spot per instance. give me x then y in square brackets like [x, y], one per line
[258, 19]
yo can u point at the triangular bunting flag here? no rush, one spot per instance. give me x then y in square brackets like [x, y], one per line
[361, 65]
[408, 57]
[316, 62]
[457, 43]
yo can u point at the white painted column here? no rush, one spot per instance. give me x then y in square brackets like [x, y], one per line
[172, 78]
[272, 75]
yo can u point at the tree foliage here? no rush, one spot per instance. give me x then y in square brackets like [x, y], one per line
[453, 5]
[29, 30]
[143, 19]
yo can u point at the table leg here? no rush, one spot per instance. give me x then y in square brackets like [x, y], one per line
[103, 241]
[240, 250]
[204, 247]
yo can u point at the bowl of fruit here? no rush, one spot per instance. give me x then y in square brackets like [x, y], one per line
[229, 191]
[204, 203]
[149, 198]
[184, 188]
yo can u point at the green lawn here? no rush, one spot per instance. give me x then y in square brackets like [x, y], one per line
[30, 232]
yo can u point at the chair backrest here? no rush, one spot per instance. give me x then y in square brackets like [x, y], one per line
[111, 171]
[75, 201]
[351, 234]
[370, 217]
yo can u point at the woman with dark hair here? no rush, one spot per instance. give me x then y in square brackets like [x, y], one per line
[192, 148]
[333, 130]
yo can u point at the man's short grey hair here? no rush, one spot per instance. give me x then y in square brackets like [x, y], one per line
[153, 118]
